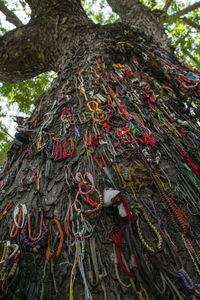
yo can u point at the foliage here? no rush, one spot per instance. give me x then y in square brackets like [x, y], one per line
[185, 38]
[99, 11]
[4, 142]
[25, 93]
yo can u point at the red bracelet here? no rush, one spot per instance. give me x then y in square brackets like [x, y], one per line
[65, 154]
[86, 193]
[117, 241]
[125, 130]
[147, 139]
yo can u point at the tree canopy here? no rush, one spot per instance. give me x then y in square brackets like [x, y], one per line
[180, 20]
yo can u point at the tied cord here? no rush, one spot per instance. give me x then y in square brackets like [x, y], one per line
[117, 238]
[189, 284]
[90, 201]
[169, 243]
[131, 218]
[58, 151]
[117, 241]
[188, 161]
[77, 132]
[67, 216]
[81, 268]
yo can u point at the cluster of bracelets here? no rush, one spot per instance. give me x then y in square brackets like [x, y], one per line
[114, 161]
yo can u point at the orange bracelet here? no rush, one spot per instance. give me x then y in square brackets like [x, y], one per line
[29, 227]
[48, 252]
[15, 228]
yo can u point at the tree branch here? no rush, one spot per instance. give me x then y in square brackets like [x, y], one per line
[10, 16]
[174, 17]
[36, 47]
[22, 54]
[51, 7]
[191, 23]
[135, 13]
[167, 5]
[192, 57]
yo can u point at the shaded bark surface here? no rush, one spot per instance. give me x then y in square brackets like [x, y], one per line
[54, 26]
[133, 12]
[124, 69]
[35, 48]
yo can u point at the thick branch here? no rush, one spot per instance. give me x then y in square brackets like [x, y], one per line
[167, 5]
[22, 54]
[135, 13]
[35, 48]
[51, 7]
[191, 23]
[182, 12]
[10, 16]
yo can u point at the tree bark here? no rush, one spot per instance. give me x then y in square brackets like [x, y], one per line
[135, 13]
[137, 137]
[26, 52]
[34, 48]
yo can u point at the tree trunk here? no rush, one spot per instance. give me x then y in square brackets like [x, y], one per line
[134, 13]
[122, 112]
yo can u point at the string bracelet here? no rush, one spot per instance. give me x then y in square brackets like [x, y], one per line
[48, 252]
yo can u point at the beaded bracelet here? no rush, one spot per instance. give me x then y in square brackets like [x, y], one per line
[10, 268]
[99, 116]
[24, 233]
[8, 257]
[6, 209]
[137, 209]
[58, 151]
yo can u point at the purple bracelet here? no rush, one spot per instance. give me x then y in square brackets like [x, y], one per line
[24, 232]
[189, 284]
